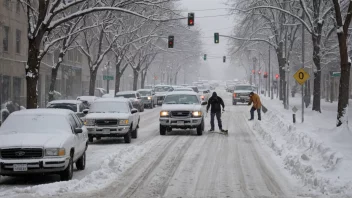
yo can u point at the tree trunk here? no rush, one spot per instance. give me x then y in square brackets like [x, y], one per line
[117, 79]
[93, 77]
[135, 79]
[54, 72]
[32, 74]
[344, 80]
[281, 62]
[143, 77]
[316, 91]
[176, 78]
[317, 62]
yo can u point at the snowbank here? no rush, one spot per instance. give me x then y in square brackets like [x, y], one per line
[320, 157]
[110, 170]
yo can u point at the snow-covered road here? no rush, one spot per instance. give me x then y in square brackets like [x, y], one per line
[180, 164]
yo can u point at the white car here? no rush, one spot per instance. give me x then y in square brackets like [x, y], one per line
[112, 117]
[42, 141]
[182, 110]
[76, 106]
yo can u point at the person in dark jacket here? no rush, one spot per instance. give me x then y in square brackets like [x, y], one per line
[215, 102]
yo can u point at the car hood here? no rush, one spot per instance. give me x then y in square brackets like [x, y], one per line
[181, 107]
[107, 116]
[242, 91]
[55, 139]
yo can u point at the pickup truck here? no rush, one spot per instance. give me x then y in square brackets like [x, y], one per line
[241, 94]
[182, 110]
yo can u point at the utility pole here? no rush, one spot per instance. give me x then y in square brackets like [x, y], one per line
[302, 67]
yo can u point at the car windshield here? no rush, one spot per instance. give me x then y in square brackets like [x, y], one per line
[36, 123]
[109, 107]
[247, 88]
[162, 89]
[145, 93]
[181, 99]
[72, 107]
[126, 95]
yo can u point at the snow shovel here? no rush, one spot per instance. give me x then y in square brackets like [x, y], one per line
[264, 109]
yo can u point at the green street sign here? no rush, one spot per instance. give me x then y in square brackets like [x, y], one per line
[108, 77]
[335, 74]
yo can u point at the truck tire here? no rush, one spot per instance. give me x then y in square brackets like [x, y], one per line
[234, 102]
[200, 129]
[162, 130]
[81, 162]
[67, 174]
[90, 139]
[127, 137]
[134, 133]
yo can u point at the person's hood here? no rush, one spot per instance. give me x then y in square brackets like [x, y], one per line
[215, 94]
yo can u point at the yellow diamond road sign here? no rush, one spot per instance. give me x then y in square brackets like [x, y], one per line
[301, 76]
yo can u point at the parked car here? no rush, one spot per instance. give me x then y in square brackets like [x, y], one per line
[89, 99]
[148, 97]
[42, 141]
[76, 106]
[182, 110]
[135, 98]
[112, 117]
[161, 91]
[241, 94]
[7, 108]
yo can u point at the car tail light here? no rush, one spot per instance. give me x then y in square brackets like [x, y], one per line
[234, 95]
[202, 97]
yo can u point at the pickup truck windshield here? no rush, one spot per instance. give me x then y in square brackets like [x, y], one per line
[109, 107]
[246, 88]
[181, 99]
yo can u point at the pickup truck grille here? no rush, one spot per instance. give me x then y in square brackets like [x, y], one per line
[21, 153]
[242, 95]
[180, 114]
[106, 122]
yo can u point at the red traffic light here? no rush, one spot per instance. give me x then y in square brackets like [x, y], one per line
[277, 76]
[191, 22]
[253, 71]
[259, 72]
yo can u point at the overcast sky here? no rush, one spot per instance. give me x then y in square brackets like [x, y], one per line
[213, 67]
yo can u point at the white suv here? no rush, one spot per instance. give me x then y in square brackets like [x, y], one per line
[112, 117]
[42, 141]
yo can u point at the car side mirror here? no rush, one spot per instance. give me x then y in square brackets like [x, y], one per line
[133, 111]
[85, 111]
[204, 103]
[78, 130]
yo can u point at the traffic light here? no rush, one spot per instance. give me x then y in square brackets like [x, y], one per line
[253, 71]
[205, 57]
[191, 19]
[216, 37]
[259, 72]
[277, 76]
[171, 41]
[265, 74]
[224, 59]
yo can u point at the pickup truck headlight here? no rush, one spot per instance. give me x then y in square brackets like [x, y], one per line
[123, 122]
[197, 113]
[149, 98]
[55, 152]
[89, 122]
[164, 113]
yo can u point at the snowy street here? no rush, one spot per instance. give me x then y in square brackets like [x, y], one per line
[180, 164]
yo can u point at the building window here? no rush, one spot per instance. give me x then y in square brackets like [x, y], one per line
[5, 41]
[17, 89]
[18, 41]
[18, 6]
[4, 88]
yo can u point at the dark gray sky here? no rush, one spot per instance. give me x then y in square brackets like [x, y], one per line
[213, 67]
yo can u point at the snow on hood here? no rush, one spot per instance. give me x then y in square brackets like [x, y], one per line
[52, 139]
[242, 91]
[107, 116]
[181, 107]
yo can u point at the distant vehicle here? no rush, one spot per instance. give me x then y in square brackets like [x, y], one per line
[42, 141]
[230, 88]
[148, 97]
[195, 88]
[182, 110]
[135, 97]
[241, 94]
[184, 89]
[7, 108]
[204, 94]
[89, 99]
[112, 117]
[76, 106]
[161, 91]
[99, 92]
